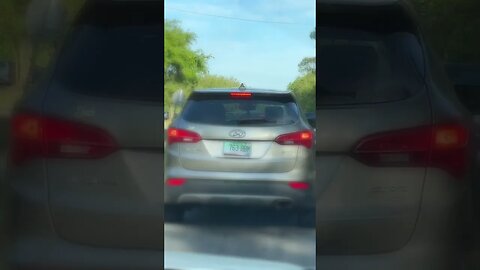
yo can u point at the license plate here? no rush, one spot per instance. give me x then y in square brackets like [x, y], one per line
[239, 149]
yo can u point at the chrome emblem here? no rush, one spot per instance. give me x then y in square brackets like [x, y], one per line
[237, 133]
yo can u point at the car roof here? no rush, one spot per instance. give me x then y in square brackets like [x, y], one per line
[251, 90]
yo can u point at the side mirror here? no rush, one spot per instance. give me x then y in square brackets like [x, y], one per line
[7, 73]
[166, 116]
[46, 19]
[466, 80]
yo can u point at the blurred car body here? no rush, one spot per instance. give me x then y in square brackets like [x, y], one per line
[392, 144]
[86, 157]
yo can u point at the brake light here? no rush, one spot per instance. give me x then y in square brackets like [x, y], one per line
[304, 138]
[176, 135]
[442, 146]
[299, 185]
[240, 94]
[36, 136]
[176, 182]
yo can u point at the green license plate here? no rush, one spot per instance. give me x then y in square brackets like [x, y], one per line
[239, 149]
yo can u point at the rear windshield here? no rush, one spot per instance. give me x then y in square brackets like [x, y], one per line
[364, 59]
[259, 110]
[115, 51]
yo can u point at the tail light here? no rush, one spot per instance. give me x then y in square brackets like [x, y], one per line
[176, 135]
[241, 95]
[441, 146]
[299, 185]
[176, 182]
[304, 138]
[36, 136]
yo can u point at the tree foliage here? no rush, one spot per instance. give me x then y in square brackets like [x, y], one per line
[304, 85]
[452, 27]
[307, 65]
[216, 81]
[12, 26]
[304, 89]
[183, 66]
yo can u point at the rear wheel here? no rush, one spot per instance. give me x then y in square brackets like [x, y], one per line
[173, 213]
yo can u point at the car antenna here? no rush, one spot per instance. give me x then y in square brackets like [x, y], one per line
[242, 87]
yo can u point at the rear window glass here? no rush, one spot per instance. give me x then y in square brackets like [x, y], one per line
[361, 61]
[120, 57]
[260, 110]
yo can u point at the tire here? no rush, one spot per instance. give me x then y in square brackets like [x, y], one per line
[173, 213]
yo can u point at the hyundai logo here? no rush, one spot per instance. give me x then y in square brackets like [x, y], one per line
[237, 133]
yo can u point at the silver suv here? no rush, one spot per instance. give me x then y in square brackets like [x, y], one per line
[393, 143]
[86, 184]
[239, 147]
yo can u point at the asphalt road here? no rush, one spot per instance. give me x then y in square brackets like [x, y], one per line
[251, 233]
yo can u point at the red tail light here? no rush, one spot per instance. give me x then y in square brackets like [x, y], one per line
[299, 185]
[175, 182]
[441, 146]
[176, 135]
[35, 136]
[240, 94]
[304, 138]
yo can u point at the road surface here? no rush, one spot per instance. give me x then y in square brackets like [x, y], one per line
[251, 233]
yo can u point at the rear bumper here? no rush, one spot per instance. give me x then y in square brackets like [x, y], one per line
[238, 192]
[434, 243]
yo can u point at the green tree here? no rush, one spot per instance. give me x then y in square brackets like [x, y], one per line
[304, 89]
[216, 81]
[183, 66]
[451, 27]
[307, 65]
[304, 85]
[313, 34]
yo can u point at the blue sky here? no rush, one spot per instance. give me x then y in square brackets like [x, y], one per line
[263, 55]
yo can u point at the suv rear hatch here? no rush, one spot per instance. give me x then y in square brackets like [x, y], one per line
[371, 83]
[103, 111]
[241, 133]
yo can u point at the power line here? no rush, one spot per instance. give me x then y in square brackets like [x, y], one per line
[235, 18]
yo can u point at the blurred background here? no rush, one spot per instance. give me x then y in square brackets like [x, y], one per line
[30, 36]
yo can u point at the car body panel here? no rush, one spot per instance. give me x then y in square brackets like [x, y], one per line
[124, 189]
[267, 156]
[363, 210]
[262, 178]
